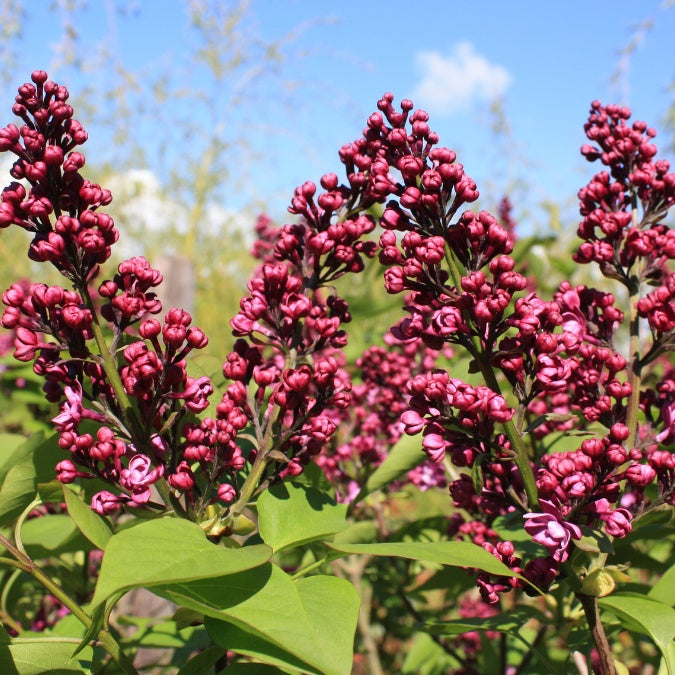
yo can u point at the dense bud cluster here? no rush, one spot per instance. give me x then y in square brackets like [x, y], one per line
[561, 357]
[613, 235]
[537, 368]
[60, 206]
[372, 424]
[131, 447]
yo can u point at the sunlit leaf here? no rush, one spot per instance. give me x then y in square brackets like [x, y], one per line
[404, 456]
[648, 616]
[307, 625]
[168, 550]
[290, 515]
[94, 527]
[664, 589]
[454, 553]
[30, 463]
[34, 656]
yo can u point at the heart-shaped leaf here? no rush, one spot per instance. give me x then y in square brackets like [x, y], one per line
[290, 515]
[168, 550]
[306, 625]
[648, 616]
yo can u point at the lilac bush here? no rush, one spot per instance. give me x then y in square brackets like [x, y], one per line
[297, 426]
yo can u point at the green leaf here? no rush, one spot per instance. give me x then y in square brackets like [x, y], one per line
[363, 532]
[8, 444]
[594, 541]
[332, 607]
[68, 626]
[307, 625]
[35, 656]
[654, 523]
[31, 463]
[404, 456]
[18, 490]
[19, 451]
[4, 636]
[648, 616]
[50, 493]
[94, 527]
[155, 634]
[168, 550]
[290, 515]
[477, 478]
[313, 476]
[664, 589]
[50, 535]
[246, 669]
[186, 617]
[454, 553]
[422, 655]
[254, 646]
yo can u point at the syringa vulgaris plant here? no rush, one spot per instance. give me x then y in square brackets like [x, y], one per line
[273, 505]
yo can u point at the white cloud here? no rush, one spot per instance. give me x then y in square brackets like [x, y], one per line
[452, 83]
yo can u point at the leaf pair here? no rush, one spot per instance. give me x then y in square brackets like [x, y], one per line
[252, 606]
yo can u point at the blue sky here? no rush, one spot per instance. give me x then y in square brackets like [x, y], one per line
[544, 61]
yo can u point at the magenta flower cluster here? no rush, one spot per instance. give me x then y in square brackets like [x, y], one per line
[120, 372]
[132, 415]
[560, 357]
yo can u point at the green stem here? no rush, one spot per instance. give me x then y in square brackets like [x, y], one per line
[317, 564]
[19, 524]
[522, 457]
[455, 272]
[11, 563]
[18, 555]
[108, 642]
[250, 484]
[6, 589]
[46, 639]
[106, 639]
[265, 439]
[634, 366]
[110, 367]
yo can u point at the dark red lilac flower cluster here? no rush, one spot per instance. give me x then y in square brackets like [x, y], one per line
[542, 367]
[561, 358]
[372, 425]
[614, 235]
[136, 395]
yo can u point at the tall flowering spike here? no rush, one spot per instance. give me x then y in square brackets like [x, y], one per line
[61, 208]
[622, 207]
[138, 395]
